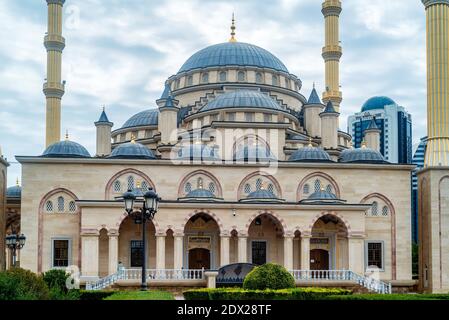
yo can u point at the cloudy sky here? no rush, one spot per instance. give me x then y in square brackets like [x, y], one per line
[120, 52]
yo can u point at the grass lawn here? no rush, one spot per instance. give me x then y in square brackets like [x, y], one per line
[141, 295]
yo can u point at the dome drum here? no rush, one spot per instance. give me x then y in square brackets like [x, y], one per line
[201, 194]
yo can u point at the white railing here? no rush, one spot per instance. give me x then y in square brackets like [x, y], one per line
[152, 274]
[370, 283]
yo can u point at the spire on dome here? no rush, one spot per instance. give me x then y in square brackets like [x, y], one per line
[373, 125]
[67, 135]
[329, 108]
[233, 39]
[167, 91]
[314, 98]
[103, 116]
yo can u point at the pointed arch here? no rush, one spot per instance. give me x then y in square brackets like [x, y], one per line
[272, 214]
[143, 176]
[218, 189]
[310, 180]
[212, 215]
[241, 188]
[332, 213]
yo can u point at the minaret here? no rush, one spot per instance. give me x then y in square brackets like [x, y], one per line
[437, 153]
[312, 111]
[53, 87]
[332, 53]
[104, 136]
[329, 127]
[168, 121]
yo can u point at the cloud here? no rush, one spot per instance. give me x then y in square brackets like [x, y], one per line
[119, 53]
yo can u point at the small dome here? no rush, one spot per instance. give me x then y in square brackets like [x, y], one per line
[310, 154]
[254, 153]
[377, 103]
[200, 194]
[14, 192]
[132, 150]
[242, 99]
[322, 197]
[261, 195]
[197, 152]
[144, 118]
[66, 149]
[233, 54]
[361, 155]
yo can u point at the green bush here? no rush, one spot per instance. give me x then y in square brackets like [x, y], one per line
[56, 278]
[95, 295]
[20, 284]
[268, 294]
[58, 294]
[269, 276]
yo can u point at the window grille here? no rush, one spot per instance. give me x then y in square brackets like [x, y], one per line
[117, 186]
[188, 187]
[212, 187]
[374, 210]
[61, 204]
[72, 206]
[306, 189]
[258, 184]
[49, 206]
[385, 211]
[317, 185]
[241, 76]
[130, 183]
[247, 188]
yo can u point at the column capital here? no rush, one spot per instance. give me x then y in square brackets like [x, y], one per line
[178, 234]
[225, 234]
[428, 3]
[161, 234]
[89, 233]
[113, 233]
[354, 235]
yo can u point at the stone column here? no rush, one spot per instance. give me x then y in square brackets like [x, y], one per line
[177, 250]
[224, 249]
[242, 248]
[356, 254]
[113, 251]
[305, 251]
[89, 254]
[288, 252]
[160, 251]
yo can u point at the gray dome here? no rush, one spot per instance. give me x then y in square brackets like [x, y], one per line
[200, 194]
[233, 54]
[197, 152]
[362, 155]
[66, 149]
[144, 118]
[322, 197]
[254, 153]
[14, 192]
[261, 195]
[242, 99]
[310, 154]
[132, 150]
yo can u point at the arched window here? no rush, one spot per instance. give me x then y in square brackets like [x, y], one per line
[212, 187]
[130, 183]
[188, 187]
[374, 209]
[189, 80]
[275, 81]
[49, 206]
[241, 76]
[287, 83]
[317, 185]
[72, 206]
[117, 186]
[306, 189]
[247, 188]
[271, 188]
[329, 188]
[223, 76]
[205, 78]
[177, 84]
[144, 185]
[385, 211]
[258, 184]
[61, 204]
[259, 77]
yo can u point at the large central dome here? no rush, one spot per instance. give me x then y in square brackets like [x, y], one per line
[233, 54]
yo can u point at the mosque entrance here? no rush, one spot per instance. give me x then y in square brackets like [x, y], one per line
[199, 258]
[319, 259]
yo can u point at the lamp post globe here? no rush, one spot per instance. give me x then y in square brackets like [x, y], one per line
[129, 199]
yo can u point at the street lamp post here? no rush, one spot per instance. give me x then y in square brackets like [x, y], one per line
[150, 203]
[15, 242]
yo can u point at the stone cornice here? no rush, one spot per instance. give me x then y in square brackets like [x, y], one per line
[232, 205]
[429, 3]
[224, 164]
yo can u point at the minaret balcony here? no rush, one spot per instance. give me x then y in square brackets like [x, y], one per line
[54, 89]
[331, 8]
[54, 42]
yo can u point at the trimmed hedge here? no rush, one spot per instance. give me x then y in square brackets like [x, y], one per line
[391, 297]
[268, 294]
[95, 295]
[269, 276]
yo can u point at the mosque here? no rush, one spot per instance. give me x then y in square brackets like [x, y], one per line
[249, 171]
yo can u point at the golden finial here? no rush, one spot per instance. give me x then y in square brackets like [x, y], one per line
[233, 30]
[200, 184]
[262, 186]
[310, 142]
[322, 188]
[133, 138]
[17, 182]
[138, 184]
[67, 135]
